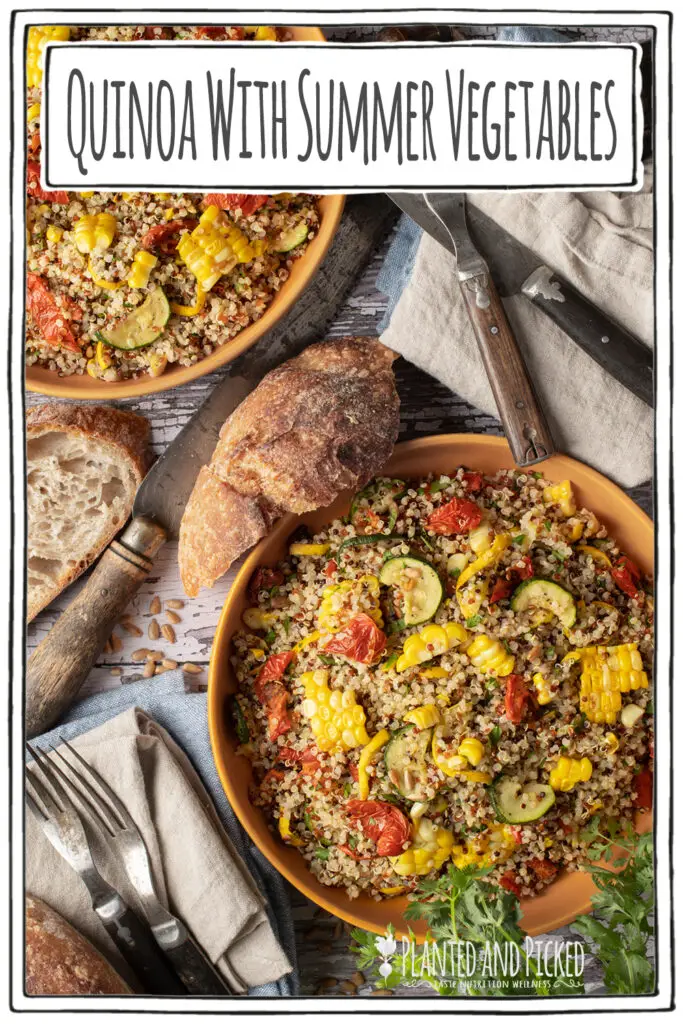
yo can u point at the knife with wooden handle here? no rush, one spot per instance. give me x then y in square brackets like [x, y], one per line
[520, 413]
[518, 271]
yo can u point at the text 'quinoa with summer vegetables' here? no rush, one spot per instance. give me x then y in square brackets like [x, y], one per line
[459, 670]
[120, 285]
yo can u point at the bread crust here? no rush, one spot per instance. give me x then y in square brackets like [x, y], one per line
[320, 423]
[126, 432]
[60, 961]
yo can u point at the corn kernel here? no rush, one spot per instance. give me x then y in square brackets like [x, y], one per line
[472, 749]
[54, 233]
[33, 111]
[255, 618]
[430, 849]
[562, 495]
[543, 692]
[266, 33]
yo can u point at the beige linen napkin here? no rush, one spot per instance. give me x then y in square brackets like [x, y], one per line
[602, 243]
[197, 871]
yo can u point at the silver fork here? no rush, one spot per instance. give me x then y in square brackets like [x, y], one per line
[59, 820]
[113, 819]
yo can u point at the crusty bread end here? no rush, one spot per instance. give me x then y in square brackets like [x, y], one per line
[84, 465]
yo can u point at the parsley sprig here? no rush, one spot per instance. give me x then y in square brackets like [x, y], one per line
[621, 923]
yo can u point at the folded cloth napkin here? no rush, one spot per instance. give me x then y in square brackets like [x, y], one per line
[145, 738]
[600, 241]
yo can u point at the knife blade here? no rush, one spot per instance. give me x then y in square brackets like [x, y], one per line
[521, 415]
[515, 269]
[60, 664]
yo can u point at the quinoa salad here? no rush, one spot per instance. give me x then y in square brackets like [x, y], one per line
[122, 285]
[456, 671]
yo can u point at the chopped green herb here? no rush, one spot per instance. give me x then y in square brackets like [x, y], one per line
[550, 653]
[321, 853]
[537, 476]
[326, 659]
[519, 539]
[270, 636]
[286, 623]
[494, 736]
[548, 525]
[347, 789]
[307, 821]
[425, 540]
[353, 842]
[437, 485]
[274, 590]
[506, 645]
[454, 573]
[473, 621]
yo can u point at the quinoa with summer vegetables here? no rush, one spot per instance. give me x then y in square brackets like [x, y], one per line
[120, 285]
[457, 670]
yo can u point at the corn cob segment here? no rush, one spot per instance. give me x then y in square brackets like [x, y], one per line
[214, 247]
[490, 657]
[94, 231]
[38, 36]
[430, 849]
[606, 673]
[429, 643]
[491, 847]
[336, 719]
[143, 264]
[568, 771]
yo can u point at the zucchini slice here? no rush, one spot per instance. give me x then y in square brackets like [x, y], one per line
[141, 327]
[405, 756]
[516, 803]
[420, 586]
[538, 594]
[289, 240]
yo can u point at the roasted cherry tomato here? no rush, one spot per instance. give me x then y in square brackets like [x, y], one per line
[543, 868]
[306, 759]
[509, 882]
[274, 667]
[35, 190]
[48, 315]
[331, 568]
[473, 481]
[360, 640]
[626, 575]
[642, 784]
[366, 521]
[502, 588]
[384, 823]
[516, 697]
[263, 579]
[218, 33]
[273, 695]
[248, 204]
[161, 236]
[459, 515]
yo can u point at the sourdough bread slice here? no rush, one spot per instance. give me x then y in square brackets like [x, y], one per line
[84, 465]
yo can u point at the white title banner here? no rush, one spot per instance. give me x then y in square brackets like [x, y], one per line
[250, 117]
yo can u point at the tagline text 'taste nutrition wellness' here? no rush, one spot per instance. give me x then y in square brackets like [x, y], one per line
[481, 120]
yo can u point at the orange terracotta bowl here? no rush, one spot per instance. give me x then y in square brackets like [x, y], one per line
[570, 894]
[84, 387]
